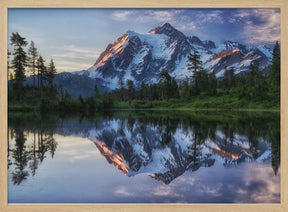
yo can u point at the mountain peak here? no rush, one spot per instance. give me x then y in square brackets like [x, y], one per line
[234, 45]
[168, 30]
[164, 27]
[141, 57]
[131, 33]
[167, 26]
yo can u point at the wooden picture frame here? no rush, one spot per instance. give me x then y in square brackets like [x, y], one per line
[5, 4]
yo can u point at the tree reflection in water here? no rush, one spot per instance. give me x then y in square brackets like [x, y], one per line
[203, 128]
[32, 155]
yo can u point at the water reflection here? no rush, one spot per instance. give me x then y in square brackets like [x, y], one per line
[25, 158]
[163, 146]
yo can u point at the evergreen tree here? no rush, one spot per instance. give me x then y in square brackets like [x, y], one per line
[19, 62]
[274, 75]
[21, 157]
[41, 73]
[275, 70]
[8, 63]
[144, 91]
[174, 89]
[225, 81]
[131, 89]
[51, 72]
[121, 89]
[185, 90]
[61, 91]
[202, 79]
[67, 95]
[96, 91]
[232, 82]
[195, 64]
[212, 84]
[254, 78]
[194, 151]
[33, 54]
[165, 84]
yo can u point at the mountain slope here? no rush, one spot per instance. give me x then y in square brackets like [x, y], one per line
[141, 57]
[135, 147]
[76, 84]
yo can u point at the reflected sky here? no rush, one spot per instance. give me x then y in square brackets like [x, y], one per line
[82, 175]
[80, 172]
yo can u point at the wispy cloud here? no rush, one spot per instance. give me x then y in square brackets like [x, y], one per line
[122, 15]
[68, 65]
[262, 26]
[71, 51]
[122, 191]
[215, 16]
[90, 31]
[161, 16]
[71, 56]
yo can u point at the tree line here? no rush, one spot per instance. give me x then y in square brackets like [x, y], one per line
[253, 85]
[30, 62]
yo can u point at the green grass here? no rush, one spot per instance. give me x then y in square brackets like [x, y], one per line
[24, 107]
[199, 103]
[224, 102]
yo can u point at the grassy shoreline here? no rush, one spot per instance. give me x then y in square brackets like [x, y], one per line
[222, 103]
[171, 105]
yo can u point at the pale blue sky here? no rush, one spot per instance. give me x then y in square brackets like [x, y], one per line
[74, 38]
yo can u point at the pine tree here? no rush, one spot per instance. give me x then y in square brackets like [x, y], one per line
[254, 78]
[96, 91]
[131, 89]
[195, 64]
[51, 72]
[8, 62]
[41, 73]
[144, 91]
[174, 88]
[274, 75]
[212, 84]
[232, 78]
[19, 62]
[275, 70]
[67, 95]
[185, 91]
[225, 81]
[121, 89]
[33, 54]
[165, 84]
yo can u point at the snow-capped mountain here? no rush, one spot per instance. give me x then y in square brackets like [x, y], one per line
[135, 147]
[141, 57]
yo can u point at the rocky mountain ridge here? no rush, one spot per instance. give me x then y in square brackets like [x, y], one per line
[141, 57]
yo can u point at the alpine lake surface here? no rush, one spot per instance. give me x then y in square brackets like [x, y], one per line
[144, 157]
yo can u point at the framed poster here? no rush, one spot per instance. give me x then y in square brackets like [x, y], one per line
[143, 106]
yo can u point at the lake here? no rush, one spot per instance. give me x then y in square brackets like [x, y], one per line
[144, 157]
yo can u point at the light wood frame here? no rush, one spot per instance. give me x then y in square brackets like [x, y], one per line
[5, 4]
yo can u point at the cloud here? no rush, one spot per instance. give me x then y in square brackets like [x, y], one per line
[157, 16]
[68, 65]
[260, 25]
[71, 51]
[122, 15]
[214, 16]
[188, 26]
[72, 57]
[122, 191]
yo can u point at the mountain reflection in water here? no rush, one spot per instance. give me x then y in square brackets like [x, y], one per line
[162, 146]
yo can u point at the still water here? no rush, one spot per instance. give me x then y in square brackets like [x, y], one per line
[145, 157]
